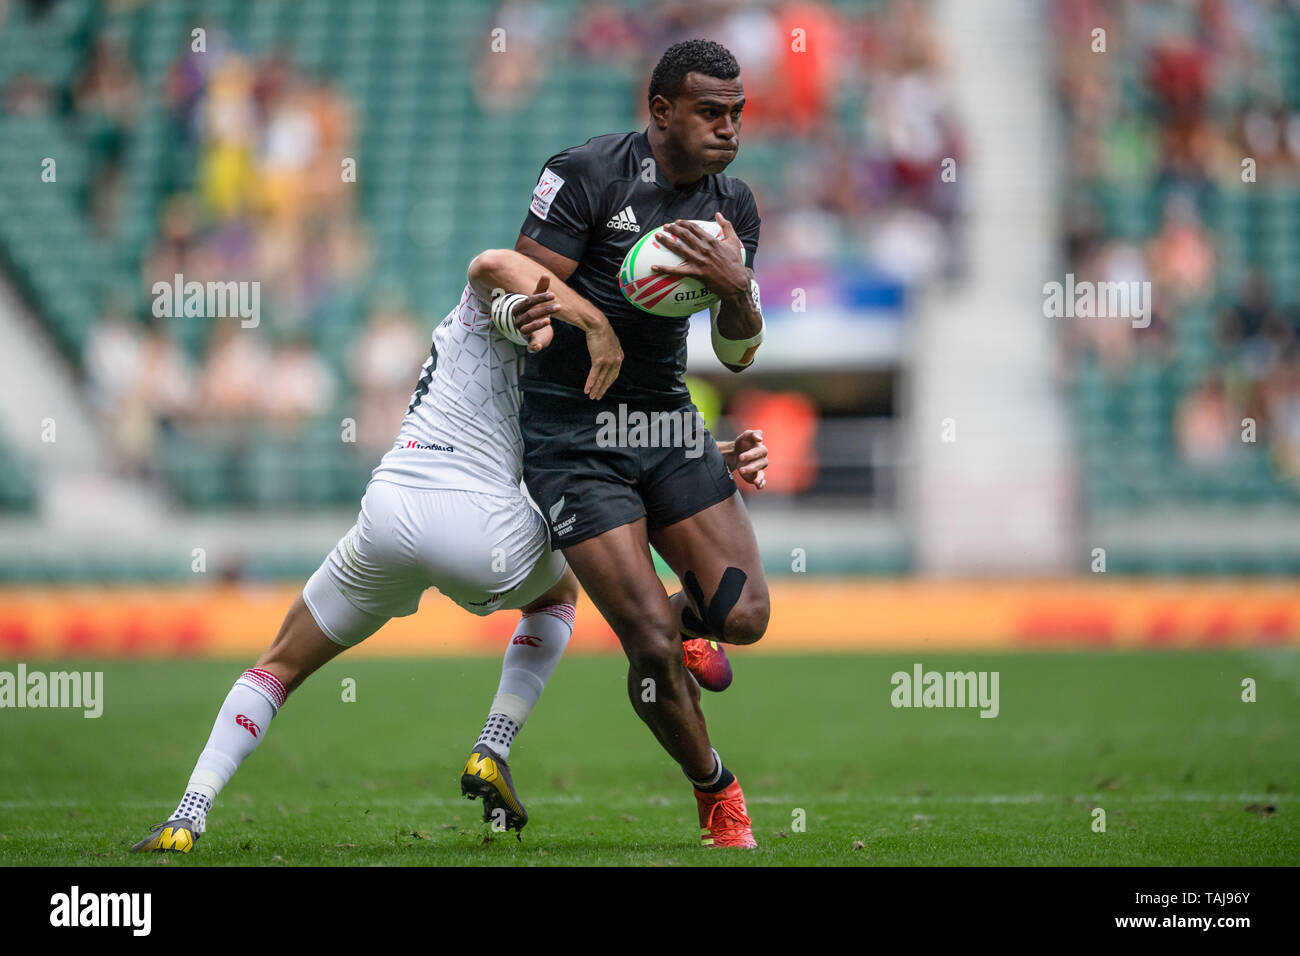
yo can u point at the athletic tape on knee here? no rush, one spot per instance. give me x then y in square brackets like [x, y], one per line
[724, 599]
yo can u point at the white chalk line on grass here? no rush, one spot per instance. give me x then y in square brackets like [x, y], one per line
[990, 799]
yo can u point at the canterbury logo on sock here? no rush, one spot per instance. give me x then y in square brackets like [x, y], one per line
[247, 724]
[528, 639]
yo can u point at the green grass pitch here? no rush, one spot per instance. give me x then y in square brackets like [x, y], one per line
[1187, 773]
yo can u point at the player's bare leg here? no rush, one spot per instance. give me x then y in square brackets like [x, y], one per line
[715, 555]
[299, 649]
[706, 657]
[535, 648]
[619, 576]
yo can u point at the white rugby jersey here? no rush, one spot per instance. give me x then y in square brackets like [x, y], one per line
[462, 427]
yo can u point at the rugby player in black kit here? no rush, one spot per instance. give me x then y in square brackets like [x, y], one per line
[607, 505]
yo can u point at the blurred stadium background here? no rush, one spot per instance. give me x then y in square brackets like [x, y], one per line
[950, 467]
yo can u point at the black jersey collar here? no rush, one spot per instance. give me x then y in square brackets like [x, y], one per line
[642, 151]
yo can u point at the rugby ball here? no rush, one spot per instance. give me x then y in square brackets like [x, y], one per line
[659, 294]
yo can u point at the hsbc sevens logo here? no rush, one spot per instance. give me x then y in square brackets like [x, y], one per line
[528, 639]
[247, 724]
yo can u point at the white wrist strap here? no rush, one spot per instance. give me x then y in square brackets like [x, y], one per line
[503, 319]
[737, 351]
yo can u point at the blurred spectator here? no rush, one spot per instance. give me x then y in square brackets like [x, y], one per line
[1210, 92]
[513, 60]
[867, 185]
[608, 32]
[27, 95]
[166, 384]
[298, 386]
[1181, 253]
[113, 361]
[1206, 427]
[289, 144]
[386, 360]
[235, 370]
[848, 114]
[1283, 403]
[106, 89]
[271, 208]
[1252, 330]
[909, 243]
[141, 384]
[229, 132]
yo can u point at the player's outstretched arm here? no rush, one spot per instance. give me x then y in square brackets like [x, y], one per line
[513, 272]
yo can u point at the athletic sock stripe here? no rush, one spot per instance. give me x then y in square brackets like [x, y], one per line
[269, 683]
[270, 679]
[265, 690]
[565, 612]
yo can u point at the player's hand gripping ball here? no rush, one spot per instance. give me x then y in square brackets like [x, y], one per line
[659, 294]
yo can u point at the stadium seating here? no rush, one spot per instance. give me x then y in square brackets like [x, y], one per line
[1124, 415]
[17, 485]
[439, 179]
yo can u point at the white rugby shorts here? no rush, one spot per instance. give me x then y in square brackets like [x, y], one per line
[484, 551]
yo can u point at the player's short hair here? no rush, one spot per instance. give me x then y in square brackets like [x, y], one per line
[690, 56]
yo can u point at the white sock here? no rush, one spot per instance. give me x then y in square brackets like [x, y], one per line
[535, 648]
[240, 726]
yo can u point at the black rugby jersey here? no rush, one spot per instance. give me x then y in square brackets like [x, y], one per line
[592, 203]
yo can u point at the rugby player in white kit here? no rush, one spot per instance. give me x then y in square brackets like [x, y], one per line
[443, 509]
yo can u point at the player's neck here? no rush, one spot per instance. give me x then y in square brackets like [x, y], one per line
[676, 168]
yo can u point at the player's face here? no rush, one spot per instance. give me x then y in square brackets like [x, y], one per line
[704, 122]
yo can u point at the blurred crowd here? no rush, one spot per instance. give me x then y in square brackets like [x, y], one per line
[270, 200]
[1165, 104]
[859, 97]
[852, 106]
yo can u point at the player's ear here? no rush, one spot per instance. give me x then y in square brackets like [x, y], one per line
[660, 110]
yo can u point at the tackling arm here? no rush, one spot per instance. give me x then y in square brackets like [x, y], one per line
[511, 272]
[504, 270]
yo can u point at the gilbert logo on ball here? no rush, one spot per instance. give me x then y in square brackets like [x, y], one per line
[659, 294]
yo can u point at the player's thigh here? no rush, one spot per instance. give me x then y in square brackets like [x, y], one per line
[618, 574]
[549, 575]
[715, 555]
[484, 551]
[371, 575]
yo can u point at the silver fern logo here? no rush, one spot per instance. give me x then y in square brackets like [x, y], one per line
[563, 527]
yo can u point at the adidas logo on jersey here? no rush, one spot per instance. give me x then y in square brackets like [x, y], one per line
[624, 220]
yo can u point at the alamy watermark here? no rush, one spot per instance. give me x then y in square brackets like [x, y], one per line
[211, 300]
[83, 689]
[130, 910]
[922, 688]
[1098, 300]
[683, 428]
